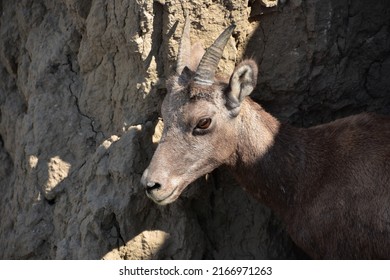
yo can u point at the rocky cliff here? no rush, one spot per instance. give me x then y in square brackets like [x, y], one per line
[80, 89]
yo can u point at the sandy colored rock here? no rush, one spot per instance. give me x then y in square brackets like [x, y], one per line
[146, 245]
[57, 170]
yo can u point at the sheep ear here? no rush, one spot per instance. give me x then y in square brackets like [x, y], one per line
[185, 75]
[242, 82]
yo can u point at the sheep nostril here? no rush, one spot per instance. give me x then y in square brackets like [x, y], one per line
[150, 186]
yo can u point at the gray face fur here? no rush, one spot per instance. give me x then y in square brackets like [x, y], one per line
[201, 124]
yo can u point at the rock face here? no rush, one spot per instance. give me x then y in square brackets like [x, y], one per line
[80, 89]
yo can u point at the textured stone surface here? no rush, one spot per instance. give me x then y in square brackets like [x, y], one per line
[80, 89]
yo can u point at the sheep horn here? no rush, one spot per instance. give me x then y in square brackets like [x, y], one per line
[184, 47]
[208, 65]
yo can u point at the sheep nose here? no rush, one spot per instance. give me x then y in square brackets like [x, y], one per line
[148, 184]
[151, 186]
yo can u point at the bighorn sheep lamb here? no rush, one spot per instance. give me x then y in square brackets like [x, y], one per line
[329, 184]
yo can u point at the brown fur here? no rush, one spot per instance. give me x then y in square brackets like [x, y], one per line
[330, 184]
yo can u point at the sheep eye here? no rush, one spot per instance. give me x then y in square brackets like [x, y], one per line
[204, 123]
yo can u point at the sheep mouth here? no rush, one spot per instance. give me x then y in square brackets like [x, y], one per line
[171, 192]
[166, 199]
